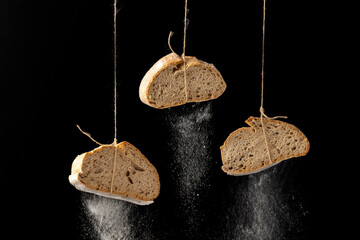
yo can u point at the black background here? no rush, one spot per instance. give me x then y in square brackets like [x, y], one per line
[56, 69]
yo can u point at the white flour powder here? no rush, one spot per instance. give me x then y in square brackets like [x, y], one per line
[191, 133]
[190, 144]
[263, 210]
[263, 206]
[109, 217]
[254, 207]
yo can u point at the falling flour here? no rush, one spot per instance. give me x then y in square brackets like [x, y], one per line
[190, 143]
[191, 134]
[254, 207]
[262, 210]
[109, 217]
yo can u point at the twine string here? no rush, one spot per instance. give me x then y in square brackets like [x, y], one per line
[115, 75]
[115, 102]
[184, 46]
[115, 97]
[89, 136]
[170, 35]
[262, 110]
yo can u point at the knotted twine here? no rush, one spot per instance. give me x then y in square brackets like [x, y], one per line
[262, 111]
[115, 103]
[186, 22]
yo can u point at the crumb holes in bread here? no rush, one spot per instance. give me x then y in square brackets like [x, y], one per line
[177, 67]
[136, 167]
[130, 180]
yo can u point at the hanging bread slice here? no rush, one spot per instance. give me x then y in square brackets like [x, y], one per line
[245, 152]
[135, 178]
[163, 85]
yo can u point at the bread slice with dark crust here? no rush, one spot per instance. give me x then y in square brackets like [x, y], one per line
[135, 178]
[163, 85]
[245, 150]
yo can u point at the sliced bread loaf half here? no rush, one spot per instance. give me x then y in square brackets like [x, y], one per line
[163, 85]
[134, 178]
[245, 151]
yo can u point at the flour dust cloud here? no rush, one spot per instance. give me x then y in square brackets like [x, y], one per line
[264, 210]
[191, 134]
[109, 218]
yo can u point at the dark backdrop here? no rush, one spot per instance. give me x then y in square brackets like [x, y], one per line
[56, 70]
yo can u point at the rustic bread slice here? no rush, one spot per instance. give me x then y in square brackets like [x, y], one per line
[163, 85]
[245, 151]
[135, 178]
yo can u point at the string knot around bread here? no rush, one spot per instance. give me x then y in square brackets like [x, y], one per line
[164, 86]
[134, 178]
[245, 151]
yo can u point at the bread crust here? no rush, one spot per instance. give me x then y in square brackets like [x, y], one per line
[153, 72]
[76, 170]
[160, 65]
[249, 121]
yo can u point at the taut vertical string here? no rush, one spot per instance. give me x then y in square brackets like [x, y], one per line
[262, 111]
[262, 61]
[183, 55]
[115, 66]
[115, 97]
[262, 114]
[115, 103]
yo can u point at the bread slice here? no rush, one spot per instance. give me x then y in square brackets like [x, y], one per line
[163, 85]
[135, 178]
[245, 151]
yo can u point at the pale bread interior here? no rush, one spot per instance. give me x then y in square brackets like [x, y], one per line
[245, 150]
[164, 84]
[134, 175]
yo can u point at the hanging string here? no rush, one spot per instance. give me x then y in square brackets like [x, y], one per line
[87, 134]
[262, 111]
[184, 46]
[115, 84]
[115, 102]
[115, 65]
[170, 35]
[115, 98]
[262, 62]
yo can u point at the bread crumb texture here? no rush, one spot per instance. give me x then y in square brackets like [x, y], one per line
[245, 150]
[163, 85]
[134, 175]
